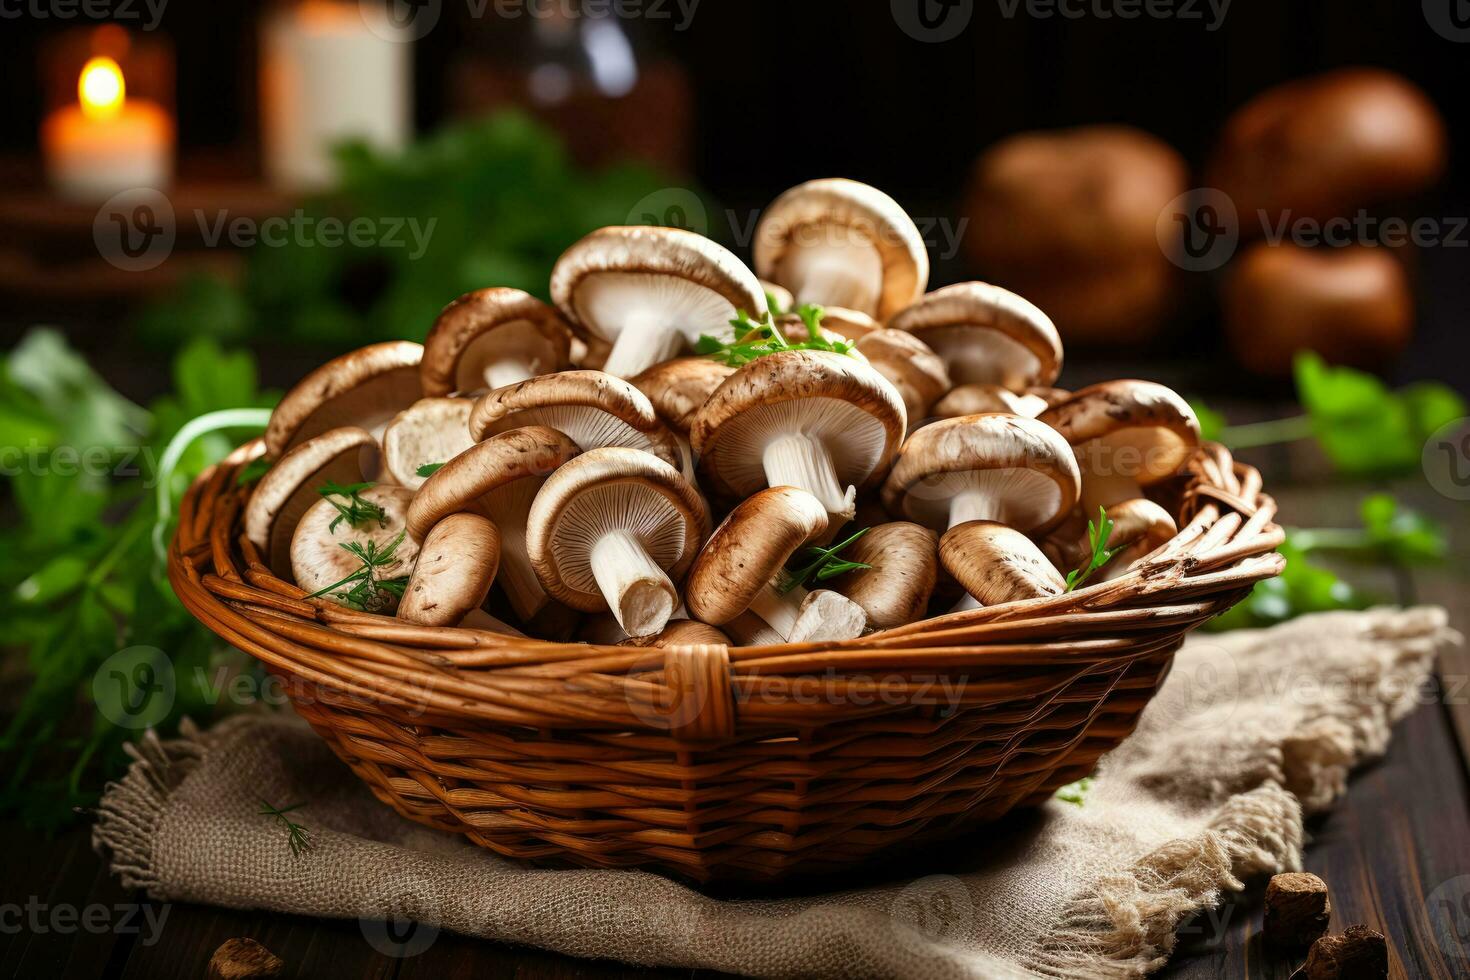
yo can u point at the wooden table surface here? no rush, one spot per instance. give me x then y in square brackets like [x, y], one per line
[1395, 850]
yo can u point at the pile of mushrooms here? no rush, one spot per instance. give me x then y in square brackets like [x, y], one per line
[591, 470]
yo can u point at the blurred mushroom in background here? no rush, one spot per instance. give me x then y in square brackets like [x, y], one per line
[1067, 219]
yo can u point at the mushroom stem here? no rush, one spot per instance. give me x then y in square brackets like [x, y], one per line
[640, 346]
[637, 591]
[507, 371]
[837, 281]
[1105, 491]
[517, 577]
[779, 612]
[972, 505]
[966, 603]
[794, 459]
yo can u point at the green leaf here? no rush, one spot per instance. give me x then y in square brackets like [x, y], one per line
[56, 578]
[86, 410]
[429, 469]
[1075, 793]
[1211, 422]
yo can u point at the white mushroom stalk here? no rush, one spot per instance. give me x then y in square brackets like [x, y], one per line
[847, 271]
[510, 507]
[1005, 496]
[638, 592]
[779, 612]
[507, 371]
[795, 459]
[645, 340]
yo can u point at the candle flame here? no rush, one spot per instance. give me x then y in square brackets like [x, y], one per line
[101, 88]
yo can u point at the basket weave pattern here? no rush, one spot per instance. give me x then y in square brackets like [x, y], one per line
[717, 763]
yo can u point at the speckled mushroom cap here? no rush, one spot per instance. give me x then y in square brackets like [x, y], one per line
[529, 452]
[978, 399]
[905, 564]
[910, 366]
[620, 276]
[492, 337]
[1136, 430]
[593, 408]
[837, 400]
[365, 388]
[842, 243]
[986, 334]
[678, 388]
[748, 549]
[431, 430]
[456, 564]
[1140, 527]
[997, 564]
[341, 456]
[319, 560]
[1005, 468]
[680, 633]
[607, 490]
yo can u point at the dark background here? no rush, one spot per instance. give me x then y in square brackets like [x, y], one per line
[785, 91]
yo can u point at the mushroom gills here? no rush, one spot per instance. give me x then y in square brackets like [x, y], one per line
[980, 355]
[1011, 495]
[589, 428]
[487, 362]
[650, 318]
[845, 271]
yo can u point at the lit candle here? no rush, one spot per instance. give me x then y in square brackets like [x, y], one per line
[330, 72]
[106, 142]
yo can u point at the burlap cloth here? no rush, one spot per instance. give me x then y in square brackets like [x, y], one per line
[1250, 731]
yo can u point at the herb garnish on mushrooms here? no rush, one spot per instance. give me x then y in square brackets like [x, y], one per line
[757, 338]
[822, 564]
[356, 512]
[1097, 538]
[366, 594]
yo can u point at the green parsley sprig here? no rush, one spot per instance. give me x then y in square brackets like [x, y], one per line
[1097, 539]
[358, 513]
[822, 564]
[757, 338]
[367, 593]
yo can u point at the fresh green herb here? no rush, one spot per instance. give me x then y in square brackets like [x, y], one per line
[772, 305]
[1075, 793]
[1364, 428]
[357, 512]
[429, 469]
[297, 836]
[757, 338]
[1097, 539]
[822, 564]
[252, 471]
[368, 593]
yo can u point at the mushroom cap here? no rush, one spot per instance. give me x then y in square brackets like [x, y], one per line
[834, 221]
[488, 325]
[979, 399]
[1022, 462]
[840, 400]
[678, 388]
[365, 388]
[907, 362]
[342, 456]
[679, 633]
[1137, 429]
[431, 430]
[838, 323]
[1140, 527]
[529, 452]
[997, 564]
[748, 549]
[606, 490]
[320, 560]
[986, 334]
[684, 279]
[594, 409]
[905, 563]
[456, 564]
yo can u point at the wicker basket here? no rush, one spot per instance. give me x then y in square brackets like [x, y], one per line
[746, 763]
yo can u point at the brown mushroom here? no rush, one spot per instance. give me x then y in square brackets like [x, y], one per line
[986, 335]
[365, 388]
[615, 528]
[678, 388]
[895, 590]
[430, 431]
[837, 242]
[816, 420]
[491, 338]
[680, 632]
[1140, 527]
[651, 292]
[330, 553]
[918, 374]
[452, 576]
[978, 399]
[997, 564]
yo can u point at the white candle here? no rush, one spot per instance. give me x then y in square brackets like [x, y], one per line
[107, 143]
[327, 75]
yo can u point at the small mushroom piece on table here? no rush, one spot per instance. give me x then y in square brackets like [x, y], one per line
[910, 366]
[979, 399]
[1004, 468]
[362, 563]
[456, 564]
[292, 485]
[1127, 435]
[820, 421]
[498, 478]
[986, 335]
[838, 242]
[739, 568]
[431, 430]
[593, 408]
[998, 564]
[904, 561]
[365, 388]
[614, 529]
[651, 292]
[490, 338]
